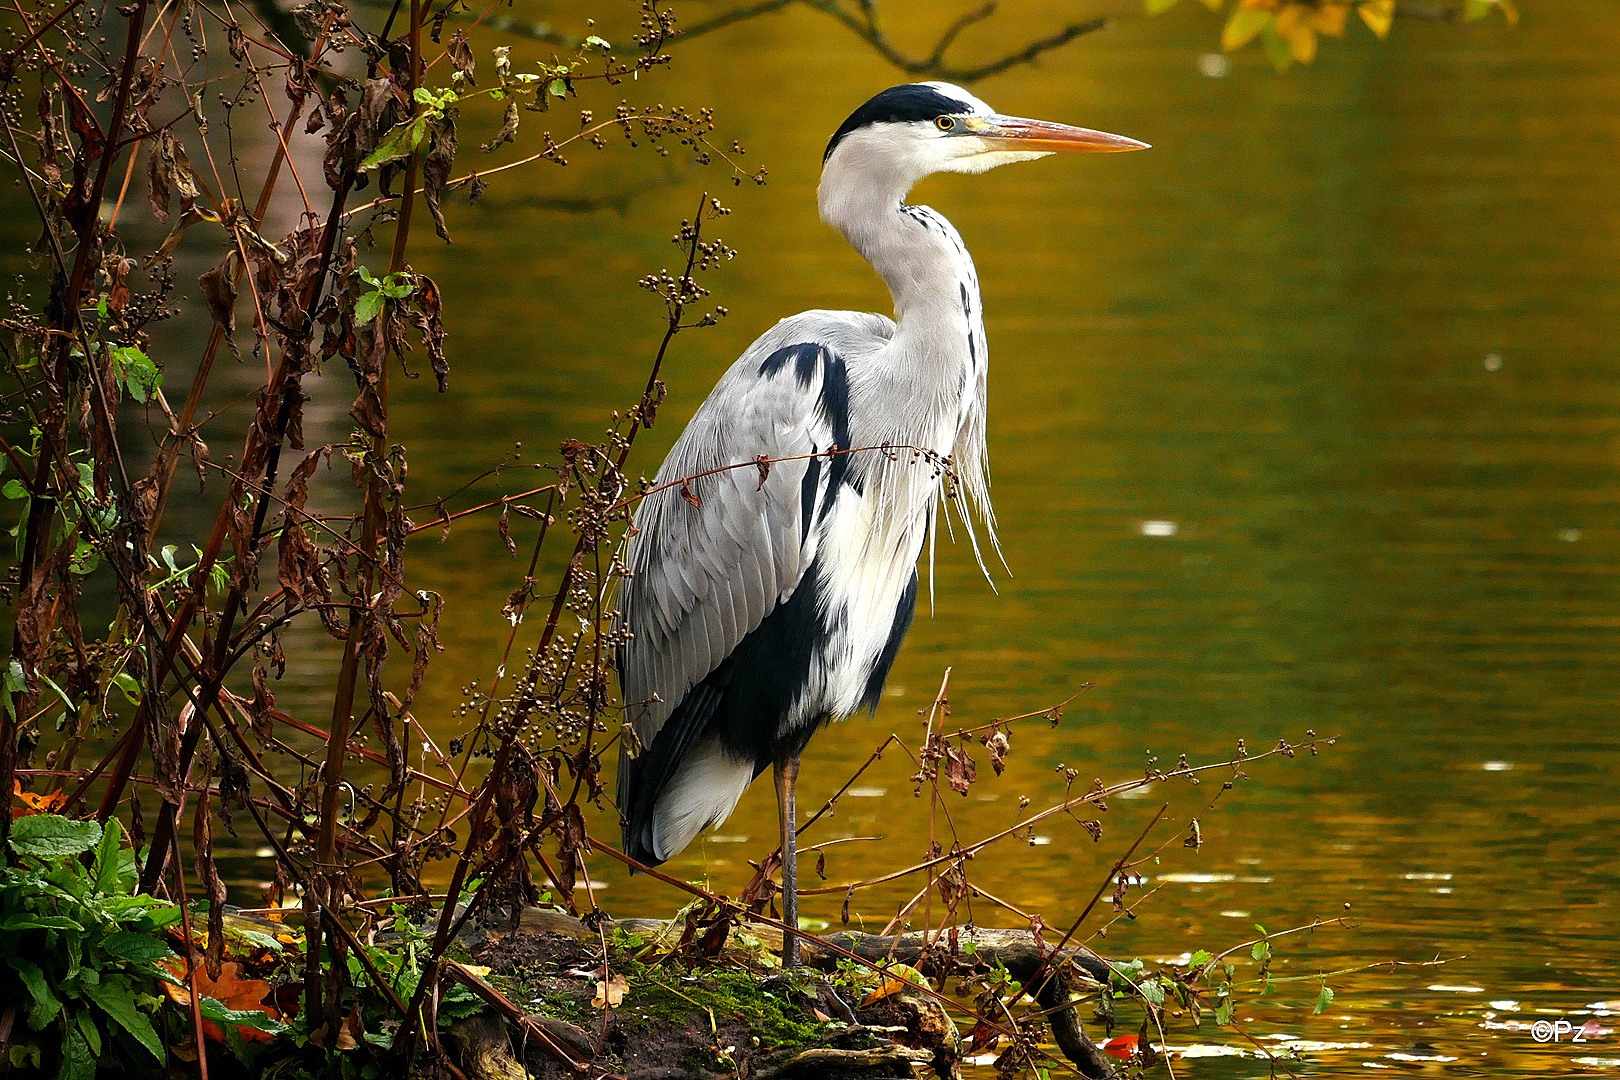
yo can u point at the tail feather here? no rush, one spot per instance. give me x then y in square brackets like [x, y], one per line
[703, 791]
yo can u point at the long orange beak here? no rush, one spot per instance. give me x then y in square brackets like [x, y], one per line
[1016, 133]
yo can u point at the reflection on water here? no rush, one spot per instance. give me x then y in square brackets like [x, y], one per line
[1306, 419]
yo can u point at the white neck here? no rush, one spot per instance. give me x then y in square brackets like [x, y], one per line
[939, 344]
[919, 255]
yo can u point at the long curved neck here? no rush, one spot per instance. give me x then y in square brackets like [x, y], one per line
[919, 255]
[937, 310]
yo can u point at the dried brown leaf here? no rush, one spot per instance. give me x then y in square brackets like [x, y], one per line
[610, 991]
[505, 528]
[436, 171]
[997, 743]
[461, 55]
[263, 700]
[219, 286]
[213, 887]
[509, 129]
[960, 770]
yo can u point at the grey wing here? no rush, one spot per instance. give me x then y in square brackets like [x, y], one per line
[707, 570]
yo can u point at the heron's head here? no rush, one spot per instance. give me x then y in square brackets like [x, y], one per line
[912, 131]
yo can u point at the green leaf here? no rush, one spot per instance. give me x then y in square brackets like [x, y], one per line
[1261, 950]
[139, 375]
[1323, 1000]
[1223, 1013]
[601, 43]
[106, 865]
[50, 836]
[366, 276]
[459, 1009]
[78, 1061]
[27, 920]
[1152, 991]
[400, 142]
[14, 489]
[24, 1055]
[557, 88]
[46, 679]
[16, 682]
[46, 1004]
[367, 308]
[136, 948]
[258, 1019]
[86, 557]
[87, 1027]
[254, 938]
[130, 687]
[117, 1001]
[1200, 958]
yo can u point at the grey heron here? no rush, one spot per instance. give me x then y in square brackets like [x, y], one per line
[759, 606]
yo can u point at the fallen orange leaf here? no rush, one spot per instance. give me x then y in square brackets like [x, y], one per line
[1121, 1046]
[37, 804]
[231, 990]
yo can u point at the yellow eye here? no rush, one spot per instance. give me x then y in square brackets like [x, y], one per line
[946, 123]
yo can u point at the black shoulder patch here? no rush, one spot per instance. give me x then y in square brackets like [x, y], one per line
[803, 356]
[913, 101]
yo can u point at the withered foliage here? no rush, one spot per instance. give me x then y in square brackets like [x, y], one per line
[170, 712]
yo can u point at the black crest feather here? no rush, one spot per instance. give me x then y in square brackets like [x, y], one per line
[913, 101]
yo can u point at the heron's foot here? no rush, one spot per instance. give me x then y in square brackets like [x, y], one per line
[833, 1005]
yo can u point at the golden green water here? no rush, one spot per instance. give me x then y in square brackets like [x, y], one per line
[1352, 331]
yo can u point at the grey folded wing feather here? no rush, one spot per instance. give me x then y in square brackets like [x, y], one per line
[707, 570]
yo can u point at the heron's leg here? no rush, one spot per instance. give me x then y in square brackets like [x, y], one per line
[787, 776]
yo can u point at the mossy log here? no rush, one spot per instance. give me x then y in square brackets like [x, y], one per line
[1016, 950]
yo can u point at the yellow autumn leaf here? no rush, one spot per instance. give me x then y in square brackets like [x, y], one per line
[1302, 45]
[610, 992]
[1301, 38]
[1377, 14]
[899, 977]
[1329, 19]
[1244, 25]
[888, 989]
